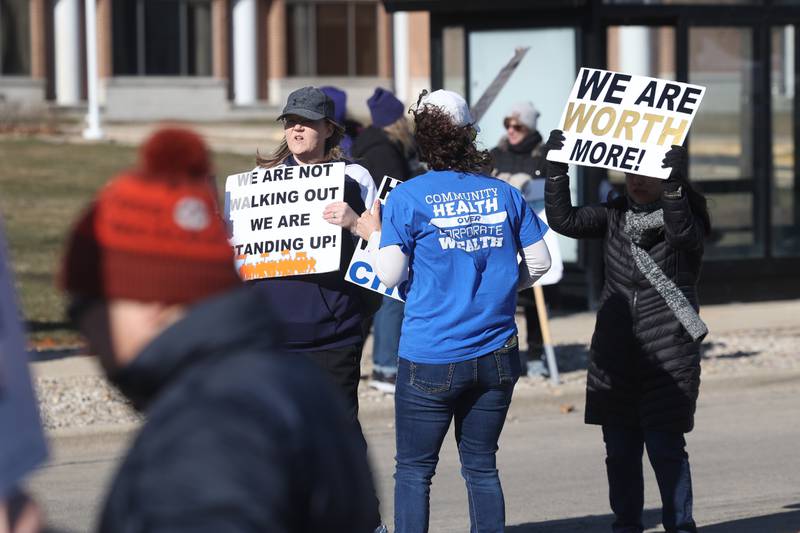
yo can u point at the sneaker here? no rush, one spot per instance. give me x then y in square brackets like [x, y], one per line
[382, 381]
[537, 368]
[382, 529]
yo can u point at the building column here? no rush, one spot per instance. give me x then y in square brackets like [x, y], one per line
[635, 50]
[276, 50]
[219, 32]
[66, 23]
[419, 54]
[400, 49]
[383, 23]
[38, 40]
[245, 52]
[105, 40]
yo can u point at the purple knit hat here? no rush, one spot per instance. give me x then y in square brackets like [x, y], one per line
[339, 98]
[384, 107]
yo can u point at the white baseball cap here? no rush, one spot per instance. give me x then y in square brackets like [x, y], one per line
[453, 105]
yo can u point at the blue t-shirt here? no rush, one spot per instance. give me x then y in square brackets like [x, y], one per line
[462, 233]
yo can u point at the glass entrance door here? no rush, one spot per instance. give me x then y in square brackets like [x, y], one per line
[722, 149]
[541, 78]
[785, 179]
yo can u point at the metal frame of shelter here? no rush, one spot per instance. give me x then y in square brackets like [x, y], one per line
[734, 279]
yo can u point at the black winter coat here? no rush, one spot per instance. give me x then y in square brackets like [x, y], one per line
[644, 368]
[381, 156]
[238, 438]
[527, 157]
[326, 311]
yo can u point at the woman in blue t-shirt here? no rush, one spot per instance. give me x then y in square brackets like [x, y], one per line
[459, 233]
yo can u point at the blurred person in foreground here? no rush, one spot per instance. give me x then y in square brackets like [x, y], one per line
[22, 443]
[386, 148]
[238, 437]
[519, 160]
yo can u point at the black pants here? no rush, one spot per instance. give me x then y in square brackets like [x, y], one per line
[667, 453]
[343, 365]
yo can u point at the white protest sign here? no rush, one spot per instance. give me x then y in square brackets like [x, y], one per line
[361, 270]
[276, 217]
[556, 272]
[625, 122]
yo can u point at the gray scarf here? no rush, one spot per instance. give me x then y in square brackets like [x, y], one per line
[636, 225]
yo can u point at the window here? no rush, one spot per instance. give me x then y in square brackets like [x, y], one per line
[489, 51]
[453, 65]
[332, 38]
[785, 182]
[721, 142]
[162, 37]
[666, 2]
[15, 38]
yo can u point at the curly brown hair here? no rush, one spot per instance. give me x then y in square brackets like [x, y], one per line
[445, 146]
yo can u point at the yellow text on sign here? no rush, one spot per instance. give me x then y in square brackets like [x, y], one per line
[603, 120]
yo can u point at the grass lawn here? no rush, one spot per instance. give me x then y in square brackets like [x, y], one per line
[43, 188]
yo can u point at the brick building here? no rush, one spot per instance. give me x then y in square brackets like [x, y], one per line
[207, 59]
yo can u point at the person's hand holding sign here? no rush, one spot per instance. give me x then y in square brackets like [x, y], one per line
[555, 142]
[341, 214]
[369, 221]
[677, 159]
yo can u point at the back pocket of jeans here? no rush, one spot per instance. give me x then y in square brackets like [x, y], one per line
[431, 378]
[508, 363]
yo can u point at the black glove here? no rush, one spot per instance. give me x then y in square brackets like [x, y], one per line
[678, 159]
[555, 142]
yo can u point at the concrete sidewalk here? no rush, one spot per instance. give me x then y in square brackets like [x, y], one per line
[574, 328]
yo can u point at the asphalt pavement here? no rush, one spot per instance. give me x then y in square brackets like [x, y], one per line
[745, 464]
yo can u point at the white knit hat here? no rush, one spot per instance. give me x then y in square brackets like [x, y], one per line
[525, 113]
[453, 105]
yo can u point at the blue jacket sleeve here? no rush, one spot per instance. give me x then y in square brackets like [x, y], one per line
[22, 444]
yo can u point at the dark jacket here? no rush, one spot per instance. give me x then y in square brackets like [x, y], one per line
[381, 156]
[22, 443]
[644, 368]
[526, 157]
[238, 438]
[319, 311]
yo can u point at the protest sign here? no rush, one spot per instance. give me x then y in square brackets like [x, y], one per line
[556, 272]
[625, 122]
[276, 219]
[361, 270]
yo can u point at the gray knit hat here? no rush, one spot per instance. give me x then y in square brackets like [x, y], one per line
[525, 113]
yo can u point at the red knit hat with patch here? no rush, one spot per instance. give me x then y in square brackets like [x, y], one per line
[153, 233]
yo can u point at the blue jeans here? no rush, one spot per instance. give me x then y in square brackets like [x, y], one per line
[386, 335]
[624, 448]
[477, 393]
